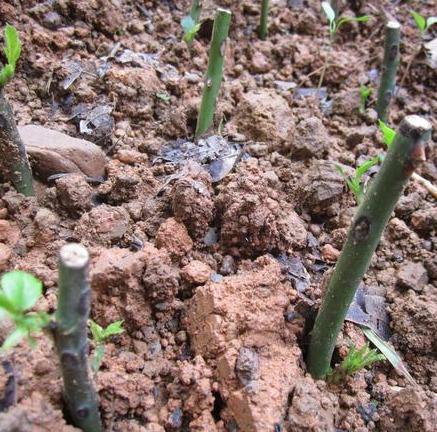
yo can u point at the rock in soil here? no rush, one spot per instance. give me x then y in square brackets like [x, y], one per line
[321, 187]
[52, 152]
[265, 116]
[310, 406]
[74, 194]
[196, 272]
[173, 237]
[311, 139]
[254, 216]
[192, 201]
[102, 225]
[412, 276]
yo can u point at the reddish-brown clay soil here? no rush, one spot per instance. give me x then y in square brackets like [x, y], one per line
[215, 322]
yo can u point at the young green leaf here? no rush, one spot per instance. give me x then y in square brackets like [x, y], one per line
[355, 185]
[164, 96]
[329, 12]
[345, 20]
[430, 21]
[96, 331]
[99, 336]
[21, 289]
[12, 47]
[190, 28]
[419, 20]
[387, 132]
[6, 307]
[19, 292]
[97, 358]
[355, 361]
[113, 329]
[365, 92]
[15, 337]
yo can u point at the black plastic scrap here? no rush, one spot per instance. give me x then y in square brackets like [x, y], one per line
[368, 310]
[215, 154]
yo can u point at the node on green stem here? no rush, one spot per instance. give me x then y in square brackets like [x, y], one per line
[405, 154]
[354, 362]
[99, 337]
[19, 292]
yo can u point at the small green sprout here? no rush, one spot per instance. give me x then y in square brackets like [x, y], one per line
[164, 96]
[422, 23]
[387, 132]
[354, 361]
[12, 51]
[99, 337]
[190, 27]
[19, 292]
[336, 23]
[355, 183]
[365, 92]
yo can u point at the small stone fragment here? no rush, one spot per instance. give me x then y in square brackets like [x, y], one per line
[321, 187]
[52, 152]
[260, 63]
[192, 201]
[309, 406]
[254, 217]
[228, 265]
[355, 136]
[346, 102]
[409, 409]
[412, 276]
[174, 237]
[424, 220]
[103, 224]
[265, 116]
[74, 193]
[196, 272]
[247, 367]
[311, 139]
[330, 253]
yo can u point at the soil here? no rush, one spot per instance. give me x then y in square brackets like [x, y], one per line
[215, 324]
